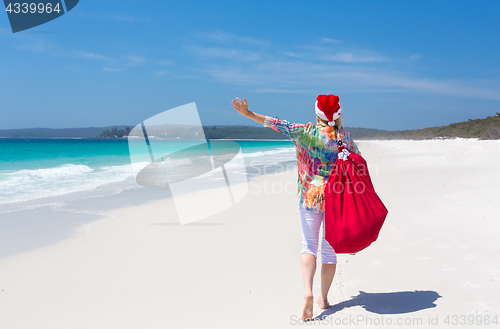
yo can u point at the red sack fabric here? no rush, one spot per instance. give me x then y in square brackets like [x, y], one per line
[354, 214]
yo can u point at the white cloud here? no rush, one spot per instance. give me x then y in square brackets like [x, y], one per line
[291, 54]
[328, 40]
[34, 44]
[223, 37]
[281, 91]
[301, 76]
[227, 53]
[115, 17]
[160, 73]
[108, 69]
[129, 18]
[41, 46]
[322, 66]
[134, 60]
[90, 55]
[38, 45]
[353, 58]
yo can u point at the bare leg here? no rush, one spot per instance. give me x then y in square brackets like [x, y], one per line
[308, 265]
[327, 274]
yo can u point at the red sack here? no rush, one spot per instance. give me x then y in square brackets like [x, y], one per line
[354, 214]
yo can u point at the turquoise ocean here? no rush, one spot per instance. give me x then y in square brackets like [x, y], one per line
[33, 170]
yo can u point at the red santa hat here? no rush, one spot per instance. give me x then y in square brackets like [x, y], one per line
[328, 108]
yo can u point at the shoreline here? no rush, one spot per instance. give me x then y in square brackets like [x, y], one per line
[437, 254]
[63, 213]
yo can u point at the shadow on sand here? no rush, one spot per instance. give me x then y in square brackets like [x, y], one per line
[387, 303]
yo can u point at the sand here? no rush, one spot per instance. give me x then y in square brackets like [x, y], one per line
[438, 255]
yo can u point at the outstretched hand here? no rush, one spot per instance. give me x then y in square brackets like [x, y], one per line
[240, 106]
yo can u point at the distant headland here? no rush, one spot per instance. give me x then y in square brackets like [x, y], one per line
[487, 128]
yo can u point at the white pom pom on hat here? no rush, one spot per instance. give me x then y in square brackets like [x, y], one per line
[328, 108]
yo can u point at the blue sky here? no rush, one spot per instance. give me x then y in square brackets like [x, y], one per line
[394, 64]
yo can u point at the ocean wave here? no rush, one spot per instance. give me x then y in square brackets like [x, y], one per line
[25, 185]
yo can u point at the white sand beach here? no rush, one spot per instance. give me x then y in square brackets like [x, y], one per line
[437, 255]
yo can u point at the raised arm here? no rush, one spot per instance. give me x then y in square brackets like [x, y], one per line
[289, 129]
[242, 108]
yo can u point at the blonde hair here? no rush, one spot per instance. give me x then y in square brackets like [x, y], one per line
[324, 123]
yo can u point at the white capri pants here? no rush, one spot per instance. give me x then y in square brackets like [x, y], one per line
[311, 223]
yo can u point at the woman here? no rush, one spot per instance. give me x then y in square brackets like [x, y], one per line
[317, 149]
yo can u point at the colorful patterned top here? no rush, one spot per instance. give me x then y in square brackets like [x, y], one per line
[317, 149]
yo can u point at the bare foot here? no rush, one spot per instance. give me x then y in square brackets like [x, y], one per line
[307, 312]
[323, 304]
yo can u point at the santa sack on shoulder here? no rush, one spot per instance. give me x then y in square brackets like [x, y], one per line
[354, 214]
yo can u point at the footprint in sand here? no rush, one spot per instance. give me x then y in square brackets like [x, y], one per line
[450, 237]
[470, 257]
[472, 285]
[481, 308]
[385, 309]
[464, 246]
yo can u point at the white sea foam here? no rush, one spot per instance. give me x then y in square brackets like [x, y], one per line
[24, 185]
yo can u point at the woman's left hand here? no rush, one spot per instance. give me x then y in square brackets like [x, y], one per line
[240, 106]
